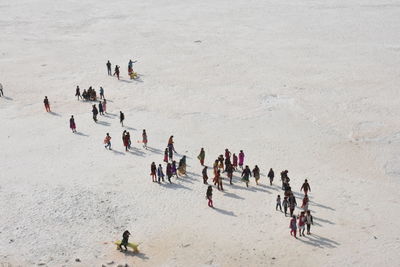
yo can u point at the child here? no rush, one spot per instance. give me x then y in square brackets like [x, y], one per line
[309, 221]
[285, 205]
[209, 196]
[293, 226]
[160, 173]
[124, 242]
[302, 222]
[107, 141]
[278, 203]
[305, 203]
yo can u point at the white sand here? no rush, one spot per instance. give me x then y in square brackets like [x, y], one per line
[311, 87]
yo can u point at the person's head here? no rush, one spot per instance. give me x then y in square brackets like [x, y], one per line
[285, 198]
[144, 130]
[302, 213]
[308, 212]
[205, 167]
[294, 217]
[107, 133]
[72, 116]
[166, 149]
[305, 180]
[256, 166]
[286, 171]
[247, 166]
[279, 195]
[210, 187]
[159, 165]
[172, 136]
[241, 151]
[202, 148]
[153, 163]
[45, 97]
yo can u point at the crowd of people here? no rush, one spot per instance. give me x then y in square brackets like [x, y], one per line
[226, 163]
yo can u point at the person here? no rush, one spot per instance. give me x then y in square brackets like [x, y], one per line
[101, 111]
[116, 71]
[169, 172]
[125, 140]
[153, 169]
[202, 156]
[160, 173]
[306, 187]
[278, 203]
[227, 163]
[107, 141]
[121, 118]
[125, 238]
[271, 175]
[215, 167]
[285, 179]
[217, 173]
[174, 170]
[1, 90]
[170, 154]
[105, 105]
[166, 155]
[182, 166]
[229, 172]
[302, 223]
[241, 159]
[219, 181]
[292, 203]
[209, 196]
[101, 93]
[78, 92]
[285, 205]
[293, 226]
[246, 175]
[144, 139]
[108, 64]
[256, 174]
[309, 221]
[304, 205]
[46, 104]
[221, 162]
[171, 143]
[72, 124]
[95, 112]
[227, 154]
[205, 176]
[234, 161]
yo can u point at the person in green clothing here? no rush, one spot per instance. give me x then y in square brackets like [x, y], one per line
[202, 156]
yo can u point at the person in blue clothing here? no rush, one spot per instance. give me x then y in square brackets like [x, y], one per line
[160, 173]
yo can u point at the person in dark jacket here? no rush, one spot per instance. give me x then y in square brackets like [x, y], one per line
[246, 174]
[209, 196]
[78, 92]
[271, 175]
[101, 111]
[108, 64]
[292, 204]
[116, 71]
[95, 112]
[121, 118]
[229, 172]
[125, 238]
[205, 176]
[306, 187]
[153, 172]
[169, 172]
